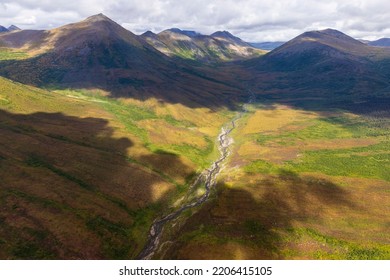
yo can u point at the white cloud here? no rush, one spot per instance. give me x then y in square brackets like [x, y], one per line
[253, 20]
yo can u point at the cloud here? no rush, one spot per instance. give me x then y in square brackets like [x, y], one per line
[253, 20]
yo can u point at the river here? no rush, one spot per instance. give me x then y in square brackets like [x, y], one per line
[209, 177]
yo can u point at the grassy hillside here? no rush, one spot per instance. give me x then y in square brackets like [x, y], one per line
[11, 54]
[83, 175]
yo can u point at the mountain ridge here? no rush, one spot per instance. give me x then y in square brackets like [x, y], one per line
[188, 44]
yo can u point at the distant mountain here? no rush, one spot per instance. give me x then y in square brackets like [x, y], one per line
[230, 38]
[9, 29]
[384, 42]
[13, 28]
[219, 46]
[268, 46]
[99, 53]
[3, 29]
[188, 33]
[326, 61]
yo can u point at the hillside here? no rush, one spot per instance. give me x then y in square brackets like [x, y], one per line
[83, 175]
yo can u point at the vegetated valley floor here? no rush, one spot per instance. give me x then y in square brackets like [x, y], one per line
[300, 185]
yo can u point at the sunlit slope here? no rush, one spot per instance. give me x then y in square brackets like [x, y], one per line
[83, 175]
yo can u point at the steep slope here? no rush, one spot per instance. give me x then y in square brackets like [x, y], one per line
[99, 53]
[326, 61]
[219, 46]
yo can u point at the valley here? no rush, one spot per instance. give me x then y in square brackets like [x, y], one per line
[204, 183]
[122, 146]
[304, 186]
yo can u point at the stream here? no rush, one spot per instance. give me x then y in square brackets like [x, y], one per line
[209, 177]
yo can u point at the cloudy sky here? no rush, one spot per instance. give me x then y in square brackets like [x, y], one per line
[252, 20]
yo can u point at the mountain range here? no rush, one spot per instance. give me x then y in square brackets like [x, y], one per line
[9, 29]
[219, 46]
[99, 53]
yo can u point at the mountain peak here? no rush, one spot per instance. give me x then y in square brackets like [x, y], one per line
[223, 34]
[333, 33]
[13, 28]
[189, 33]
[3, 29]
[97, 18]
[174, 29]
[227, 36]
[149, 34]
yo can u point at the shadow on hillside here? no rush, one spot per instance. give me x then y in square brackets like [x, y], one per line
[334, 85]
[360, 91]
[256, 220]
[69, 191]
[161, 78]
[369, 106]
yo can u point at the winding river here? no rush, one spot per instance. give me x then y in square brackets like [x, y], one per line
[209, 177]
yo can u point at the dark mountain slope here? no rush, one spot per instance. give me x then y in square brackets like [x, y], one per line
[319, 62]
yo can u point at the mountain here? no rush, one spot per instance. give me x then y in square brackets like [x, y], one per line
[13, 28]
[219, 46]
[269, 46]
[230, 38]
[189, 33]
[384, 42]
[99, 53]
[9, 29]
[326, 61]
[3, 29]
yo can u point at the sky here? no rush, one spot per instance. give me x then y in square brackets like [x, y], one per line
[251, 20]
